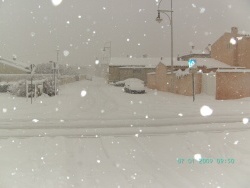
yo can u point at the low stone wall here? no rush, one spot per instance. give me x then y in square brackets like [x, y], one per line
[151, 81]
[182, 85]
[232, 85]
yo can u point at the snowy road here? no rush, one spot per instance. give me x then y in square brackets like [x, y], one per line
[130, 162]
[108, 106]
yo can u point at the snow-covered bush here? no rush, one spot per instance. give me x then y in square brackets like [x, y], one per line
[48, 87]
[18, 89]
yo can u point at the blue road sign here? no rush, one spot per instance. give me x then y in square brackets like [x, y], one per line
[192, 63]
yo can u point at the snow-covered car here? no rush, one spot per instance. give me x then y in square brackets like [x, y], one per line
[134, 86]
[122, 83]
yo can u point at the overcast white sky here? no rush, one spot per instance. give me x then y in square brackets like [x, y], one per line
[32, 29]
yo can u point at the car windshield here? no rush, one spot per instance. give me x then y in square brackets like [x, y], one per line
[124, 93]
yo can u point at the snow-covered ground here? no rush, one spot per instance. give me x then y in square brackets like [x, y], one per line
[95, 135]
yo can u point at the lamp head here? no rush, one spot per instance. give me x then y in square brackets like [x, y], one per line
[158, 18]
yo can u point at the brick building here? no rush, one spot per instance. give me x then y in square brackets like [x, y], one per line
[124, 68]
[232, 48]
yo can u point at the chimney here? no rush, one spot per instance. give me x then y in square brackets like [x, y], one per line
[178, 58]
[234, 30]
[14, 57]
[192, 49]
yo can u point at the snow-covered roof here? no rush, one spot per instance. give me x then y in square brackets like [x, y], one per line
[196, 51]
[142, 62]
[153, 62]
[132, 67]
[207, 62]
[234, 70]
[17, 64]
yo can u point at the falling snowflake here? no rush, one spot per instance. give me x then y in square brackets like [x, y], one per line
[202, 10]
[193, 5]
[97, 61]
[206, 111]
[197, 157]
[128, 39]
[35, 120]
[83, 93]
[32, 34]
[4, 110]
[56, 2]
[233, 41]
[245, 121]
[65, 53]
[236, 142]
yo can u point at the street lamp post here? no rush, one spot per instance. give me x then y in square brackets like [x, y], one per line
[159, 19]
[57, 61]
[107, 45]
[54, 68]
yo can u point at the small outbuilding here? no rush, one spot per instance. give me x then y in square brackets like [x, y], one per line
[124, 68]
